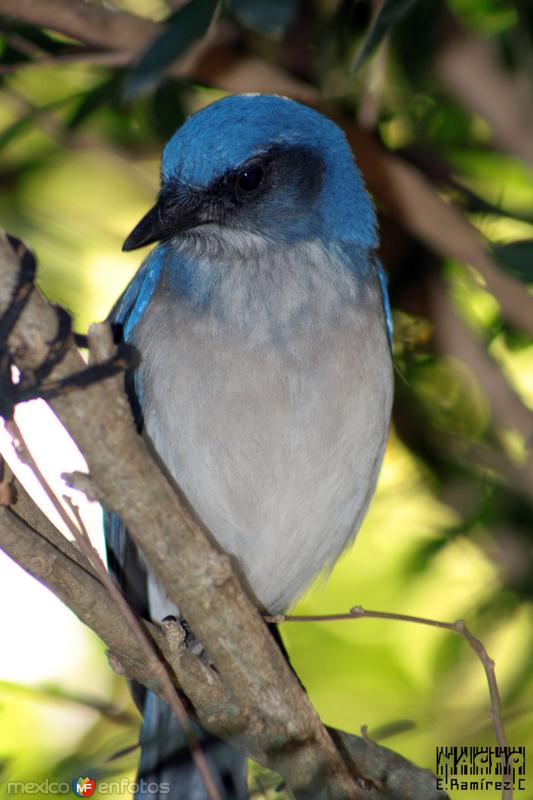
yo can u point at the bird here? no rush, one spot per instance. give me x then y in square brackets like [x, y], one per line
[264, 380]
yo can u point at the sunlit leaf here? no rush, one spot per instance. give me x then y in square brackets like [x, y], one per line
[388, 15]
[19, 41]
[488, 17]
[25, 121]
[517, 258]
[273, 17]
[18, 127]
[418, 561]
[452, 399]
[183, 28]
[474, 202]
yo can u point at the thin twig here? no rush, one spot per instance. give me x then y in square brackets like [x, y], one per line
[459, 627]
[99, 58]
[154, 663]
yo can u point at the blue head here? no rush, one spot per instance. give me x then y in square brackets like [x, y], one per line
[262, 164]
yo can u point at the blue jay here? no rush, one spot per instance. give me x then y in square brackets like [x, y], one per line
[264, 383]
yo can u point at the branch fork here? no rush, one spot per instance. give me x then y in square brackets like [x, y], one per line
[249, 696]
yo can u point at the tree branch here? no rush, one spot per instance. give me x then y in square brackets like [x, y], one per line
[508, 411]
[283, 729]
[87, 22]
[57, 569]
[415, 203]
[469, 68]
[253, 698]
[404, 190]
[124, 35]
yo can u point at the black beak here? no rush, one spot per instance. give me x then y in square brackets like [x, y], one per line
[168, 217]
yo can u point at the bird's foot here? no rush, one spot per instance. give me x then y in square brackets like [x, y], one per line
[35, 383]
[181, 626]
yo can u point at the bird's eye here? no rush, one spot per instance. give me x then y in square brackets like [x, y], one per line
[250, 178]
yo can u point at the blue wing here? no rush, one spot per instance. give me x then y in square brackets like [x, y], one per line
[166, 759]
[384, 284]
[124, 560]
[364, 262]
[132, 304]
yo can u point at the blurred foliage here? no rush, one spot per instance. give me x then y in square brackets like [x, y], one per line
[182, 28]
[450, 533]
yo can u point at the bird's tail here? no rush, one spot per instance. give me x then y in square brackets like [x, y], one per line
[166, 769]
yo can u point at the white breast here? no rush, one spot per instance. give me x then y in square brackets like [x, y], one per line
[272, 417]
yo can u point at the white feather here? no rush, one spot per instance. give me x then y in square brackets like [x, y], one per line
[271, 408]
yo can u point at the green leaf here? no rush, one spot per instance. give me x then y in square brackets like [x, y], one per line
[188, 24]
[17, 128]
[417, 562]
[516, 258]
[90, 102]
[474, 202]
[388, 15]
[22, 123]
[168, 108]
[272, 17]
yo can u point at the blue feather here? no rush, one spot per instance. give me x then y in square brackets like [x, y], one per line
[384, 283]
[166, 767]
[130, 307]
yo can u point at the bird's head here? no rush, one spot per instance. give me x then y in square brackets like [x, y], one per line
[260, 164]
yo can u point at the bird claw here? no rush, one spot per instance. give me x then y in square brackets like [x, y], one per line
[181, 629]
[33, 383]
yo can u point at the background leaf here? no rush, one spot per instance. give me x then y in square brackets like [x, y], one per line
[517, 258]
[388, 15]
[272, 17]
[182, 29]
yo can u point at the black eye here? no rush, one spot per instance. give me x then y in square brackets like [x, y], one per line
[250, 178]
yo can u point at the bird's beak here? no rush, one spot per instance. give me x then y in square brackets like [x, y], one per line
[164, 220]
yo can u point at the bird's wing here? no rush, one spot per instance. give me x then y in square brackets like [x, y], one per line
[384, 284]
[124, 560]
[132, 303]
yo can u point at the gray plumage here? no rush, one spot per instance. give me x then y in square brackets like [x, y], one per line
[270, 409]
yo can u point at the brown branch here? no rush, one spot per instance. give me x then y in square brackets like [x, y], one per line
[155, 664]
[87, 598]
[283, 731]
[27, 510]
[28, 537]
[411, 200]
[124, 35]
[88, 22]
[469, 68]
[76, 587]
[508, 411]
[227, 713]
